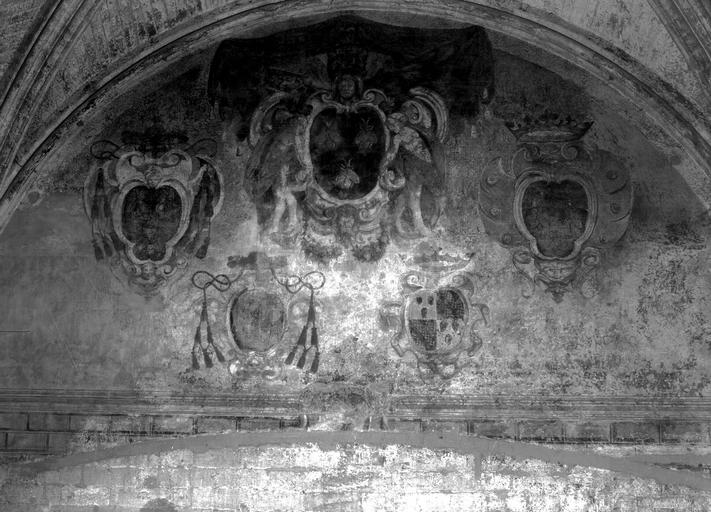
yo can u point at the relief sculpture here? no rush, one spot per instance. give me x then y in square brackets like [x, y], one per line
[556, 204]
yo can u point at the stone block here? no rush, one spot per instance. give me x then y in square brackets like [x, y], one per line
[635, 432]
[546, 431]
[131, 424]
[172, 424]
[49, 422]
[59, 442]
[257, 424]
[294, 423]
[13, 421]
[80, 423]
[588, 432]
[492, 428]
[210, 424]
[459, 427]
[30, 441]
[403, 425]
[685, 432]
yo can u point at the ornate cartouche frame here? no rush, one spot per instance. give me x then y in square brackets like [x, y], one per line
[556, 155]
[332, 222]
[441, 362]
[118, 171]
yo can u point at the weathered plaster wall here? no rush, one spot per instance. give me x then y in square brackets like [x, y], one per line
[352, 477]
[17, 16]
[69, 322]
[643, 334]
[633, 27]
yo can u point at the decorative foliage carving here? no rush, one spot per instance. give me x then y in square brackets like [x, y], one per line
[151, 204]
[556, 204]
[437, 322]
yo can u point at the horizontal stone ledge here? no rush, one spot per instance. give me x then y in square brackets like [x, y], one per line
[548, 431]
[16, 403]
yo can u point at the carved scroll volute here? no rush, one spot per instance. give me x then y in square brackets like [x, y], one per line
[556, 204]
[150, 210]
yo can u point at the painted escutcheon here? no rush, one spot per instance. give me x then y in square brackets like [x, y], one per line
[257, 320]
[437, 319]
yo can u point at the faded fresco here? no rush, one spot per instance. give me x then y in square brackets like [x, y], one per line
[339, 204]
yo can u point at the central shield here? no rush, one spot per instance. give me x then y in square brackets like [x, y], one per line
[437, 319]
[346, 149]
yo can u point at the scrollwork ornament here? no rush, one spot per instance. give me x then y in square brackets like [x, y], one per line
[150, 207]
[556, 204]
[349, 151]
[437, 321]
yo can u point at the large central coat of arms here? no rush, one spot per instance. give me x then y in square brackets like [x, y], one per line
[346, 123]
[345, 156]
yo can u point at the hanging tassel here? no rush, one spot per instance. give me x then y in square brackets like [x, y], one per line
[314, 337]
[209, 350]
[206, 356]
[211, 344]
[301, 342]
[218, 354]
[196, 364]
[314, 363]
[196, 347]
[302, 359]
[314, 344]
[98, 252]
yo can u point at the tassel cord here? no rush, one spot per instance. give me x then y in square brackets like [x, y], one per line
[312, 281]
[221, 283]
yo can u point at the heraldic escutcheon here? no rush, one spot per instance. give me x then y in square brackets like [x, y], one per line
[556, 204]
[151, 201]
[346, 157]
[437, 321]
[347, 122]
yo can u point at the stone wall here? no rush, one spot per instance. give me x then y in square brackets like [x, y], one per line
[351, 477]
[104, 377]
[642, 334]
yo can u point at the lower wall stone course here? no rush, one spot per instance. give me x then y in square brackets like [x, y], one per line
[259, 424]
[685, 432]
[80, 422]
[49, 422]
[493, 428]
[548, 431]
[59, 442]
[635, 432]
[32, 441]
[459, 427]
[131, 424]
[13, 421]
[597, 432]
[210, 424]
[403, 425]
[173, 424]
